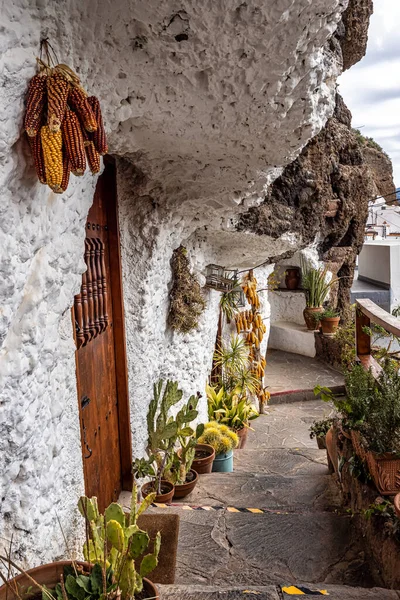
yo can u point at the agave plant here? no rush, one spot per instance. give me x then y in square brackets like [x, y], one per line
[230, 408]
[315, 283]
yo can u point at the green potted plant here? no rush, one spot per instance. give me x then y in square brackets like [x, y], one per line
[116, 561]
[164, 432]
[232, 409]
[223, 440]
[316, 286]
[319, 429]
[330, 321]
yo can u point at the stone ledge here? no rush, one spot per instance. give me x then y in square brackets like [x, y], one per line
[292, 337]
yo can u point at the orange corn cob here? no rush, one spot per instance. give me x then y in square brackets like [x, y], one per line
[79, 103]
[53, 159]
[35, 104]
[37, 154]
[73, 140]
[66, 173]
[57, 93]
[93, 158]
[99, 136]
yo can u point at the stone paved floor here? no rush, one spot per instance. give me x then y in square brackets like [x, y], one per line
[302, 539]
[287, 372]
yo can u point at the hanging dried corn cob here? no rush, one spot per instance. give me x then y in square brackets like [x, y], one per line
[73, 141]
[77, 100]
[57, 94]
[53, 159]
[99, 136]
[35, 104]
[37, 153]
[93, 157]
[66, 173]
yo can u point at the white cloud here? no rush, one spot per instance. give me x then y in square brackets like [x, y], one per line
[371, 89]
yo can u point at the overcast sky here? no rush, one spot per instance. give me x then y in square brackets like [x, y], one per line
[371, 89]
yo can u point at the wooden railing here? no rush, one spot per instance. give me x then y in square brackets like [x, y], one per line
[368, 312]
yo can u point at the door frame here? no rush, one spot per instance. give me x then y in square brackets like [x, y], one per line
[118, 316]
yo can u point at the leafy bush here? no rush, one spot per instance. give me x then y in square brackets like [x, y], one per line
[321, 428]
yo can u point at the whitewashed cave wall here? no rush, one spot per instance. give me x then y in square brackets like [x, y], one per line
[209, 100]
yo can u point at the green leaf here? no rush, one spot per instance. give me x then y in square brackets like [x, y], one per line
[96, 578]
[88, 508]
[169, 430]
[191, 415]
[84, 582]
[148, 564]
[138, 543]
[74, 589]
[115, 535]
[114, 512]
[186, 432]
[146, 502]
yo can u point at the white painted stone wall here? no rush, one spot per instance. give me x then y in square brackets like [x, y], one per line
[209, 121]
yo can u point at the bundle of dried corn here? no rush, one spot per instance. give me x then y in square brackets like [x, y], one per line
[64, 127]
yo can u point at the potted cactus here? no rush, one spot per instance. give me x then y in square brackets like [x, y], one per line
[223, 440]
[116, 561]
[164, 433]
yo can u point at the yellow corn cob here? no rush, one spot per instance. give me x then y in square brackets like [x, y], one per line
[53, 158]
[260, 335]
[257, 344]
[57, 93]
[73, 140]
[35, 104]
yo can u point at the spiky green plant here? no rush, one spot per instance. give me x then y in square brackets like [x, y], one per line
[220, 437]
[115, 541]
[315, 283]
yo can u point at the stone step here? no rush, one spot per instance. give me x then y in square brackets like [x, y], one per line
[335, 592]
[249, 490]
[282, 461]
[243, 549]
[291, 337]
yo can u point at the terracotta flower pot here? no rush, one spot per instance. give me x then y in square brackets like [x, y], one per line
[292, 278]
[242, 435]
[357, 445]
[183, 489]
[397, 504]
[329, 325]
[49, 575]
[310, 314]
[384, 469]
[166, 487]
[204, 463]
[321, 442]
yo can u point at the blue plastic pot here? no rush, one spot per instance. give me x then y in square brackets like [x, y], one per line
[223, 463]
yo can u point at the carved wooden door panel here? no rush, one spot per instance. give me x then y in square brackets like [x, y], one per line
[95, 336]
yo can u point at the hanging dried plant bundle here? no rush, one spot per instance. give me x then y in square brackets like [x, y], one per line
[63, 125]
[186, 300]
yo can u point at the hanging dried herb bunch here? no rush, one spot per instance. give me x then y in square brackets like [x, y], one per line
[64, 127]
[186, 300]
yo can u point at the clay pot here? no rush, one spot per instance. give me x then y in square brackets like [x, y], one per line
[292, 278]
[331, 451]
[242, 435]
[204, 464]
[223, 463]
[397, 504]
[49, 575]
[164, 498]
[321, 442]
[183, 489]
[384, 469]
[309, 315]
[329, 325]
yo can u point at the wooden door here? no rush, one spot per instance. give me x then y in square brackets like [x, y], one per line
[100, 354]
